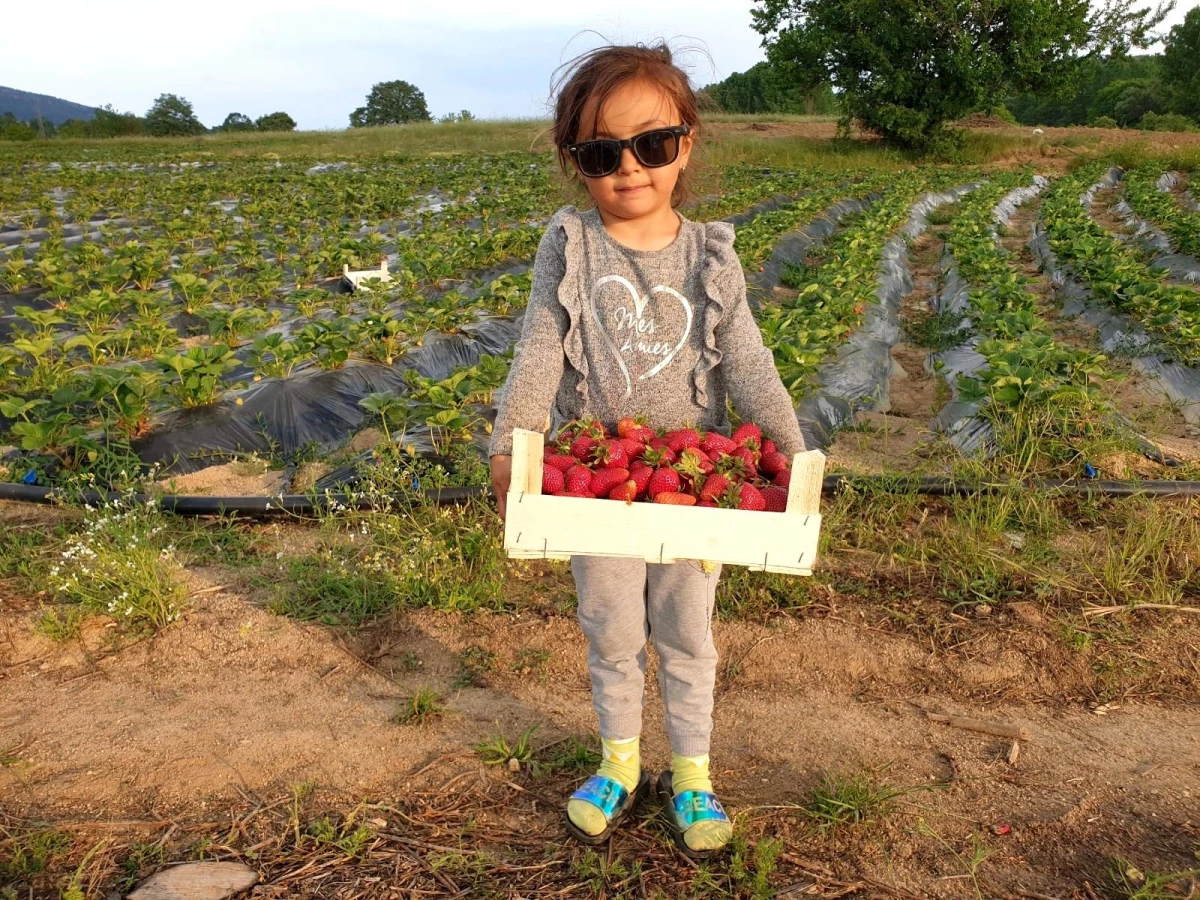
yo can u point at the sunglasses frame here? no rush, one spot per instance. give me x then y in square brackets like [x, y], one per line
[677, 130]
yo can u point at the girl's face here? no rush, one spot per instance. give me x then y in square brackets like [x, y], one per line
[634, 191]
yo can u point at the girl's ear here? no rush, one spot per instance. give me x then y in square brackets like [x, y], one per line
[685, 146]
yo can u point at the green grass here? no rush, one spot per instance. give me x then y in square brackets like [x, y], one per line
[1128, 882]
[422, 707]
[499, 750]
[849, 800]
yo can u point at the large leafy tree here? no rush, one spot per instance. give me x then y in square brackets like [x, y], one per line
[904, 69]
[276, 121]
[1181, 63]
[237, 121]
[172, 115]
[391, 103]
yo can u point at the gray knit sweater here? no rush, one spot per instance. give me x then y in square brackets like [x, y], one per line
[665, 334]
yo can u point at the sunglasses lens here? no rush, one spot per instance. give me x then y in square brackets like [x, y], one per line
[598, 158]
[656, 148]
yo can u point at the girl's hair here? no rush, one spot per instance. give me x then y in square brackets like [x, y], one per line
[597, 74]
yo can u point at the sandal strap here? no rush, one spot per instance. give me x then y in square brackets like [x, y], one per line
[606, 794]
[693, 807]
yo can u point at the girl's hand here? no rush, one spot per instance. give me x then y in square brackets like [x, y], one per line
[501, 478]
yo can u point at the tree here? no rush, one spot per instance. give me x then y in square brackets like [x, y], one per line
[276, 121]
[108, 122]
[1128, 100]
[235, 121]
[13, 129]
[1181, 63]
[760, 90]
[391, 103]
[906, 69]
[172, 116]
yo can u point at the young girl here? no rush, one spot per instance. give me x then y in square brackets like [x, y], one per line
[635, 311]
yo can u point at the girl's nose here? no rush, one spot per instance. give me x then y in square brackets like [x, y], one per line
[629, 162]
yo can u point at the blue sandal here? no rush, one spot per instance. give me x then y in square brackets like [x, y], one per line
[612, 799]
[686, 810]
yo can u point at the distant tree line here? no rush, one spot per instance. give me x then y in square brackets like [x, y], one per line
[388, 103]
[763, 89]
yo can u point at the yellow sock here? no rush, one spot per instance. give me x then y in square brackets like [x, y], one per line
[690, 773]
[622, 762]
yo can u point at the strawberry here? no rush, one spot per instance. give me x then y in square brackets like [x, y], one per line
[583, 426]
[709, 503]
[626, 490]
[748, 456]
[662, 480]
[715, 443]
[583, 446]
[768, 446]
[732, 466]
[775, 498]
[579, 480]
[783, 479]
[693, 464]
[588, 494]
[657, 443]
[553, 480]
[683, 438]
[743, 496]
[641, 476]
[604, 480]
[611, 455]
[745, 432]
[713, 486]
[771, 464]
[633, 447]
[561, 461]
[675, 498]
[659, 456]
[635, 429]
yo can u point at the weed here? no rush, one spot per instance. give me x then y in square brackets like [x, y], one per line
[61, 623]
[141, 855]
[1131, 883]
[850, 800]
[744, 594]
[498, 751]
[408, 661]
[30, 854]
[351, 839]
[423, 706]
[979, 853]
[574, 756]
[937, 332]
[474, 665]
[600, 874]
[327, 588]
[531, 661]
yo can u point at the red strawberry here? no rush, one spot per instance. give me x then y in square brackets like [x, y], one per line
[561, 461]
[775, 498]
[732, 466]
[641, 476]
[748, 456]
[772, 464]
[635, 429]
[553, 480]
[657, 443]
[713, 486]
[674, 498]
[588, 494]
[663, 480]
[745, 432]
[579, 480]
[611, 455]
[768, 446]
[710, 503]
[633, 447]
[604, 480]
[743, 496]
[626, 425]
[783, 479]
[584, 426]
[683, 438]
[626, 490]
[659, 456]
[693, 464]
[715, 443]
[582, 447]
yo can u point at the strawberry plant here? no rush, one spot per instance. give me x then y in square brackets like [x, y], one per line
[199, 374]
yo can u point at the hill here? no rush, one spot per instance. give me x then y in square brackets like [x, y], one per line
[26, 106]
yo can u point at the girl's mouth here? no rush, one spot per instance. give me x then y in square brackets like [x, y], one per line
[632, 190]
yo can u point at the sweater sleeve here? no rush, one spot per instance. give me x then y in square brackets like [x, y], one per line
[537, 367]
[748, 369]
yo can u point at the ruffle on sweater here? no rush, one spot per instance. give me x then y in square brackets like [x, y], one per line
[718, 256]
[570, 296]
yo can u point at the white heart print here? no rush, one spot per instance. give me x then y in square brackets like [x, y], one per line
[630, 332]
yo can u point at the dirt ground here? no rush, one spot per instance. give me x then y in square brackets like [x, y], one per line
[232, 702]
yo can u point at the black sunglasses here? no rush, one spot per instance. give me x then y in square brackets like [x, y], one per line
[652, 149]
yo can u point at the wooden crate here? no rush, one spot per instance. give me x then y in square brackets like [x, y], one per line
[539, 526]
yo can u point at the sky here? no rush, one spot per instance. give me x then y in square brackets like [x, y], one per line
[317, 60]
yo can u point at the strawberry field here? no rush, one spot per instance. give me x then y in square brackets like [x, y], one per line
[999, 354]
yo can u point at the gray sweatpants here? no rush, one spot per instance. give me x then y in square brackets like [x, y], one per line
[621, 603]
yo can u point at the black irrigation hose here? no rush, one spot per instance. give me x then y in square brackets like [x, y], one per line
[935, 486]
